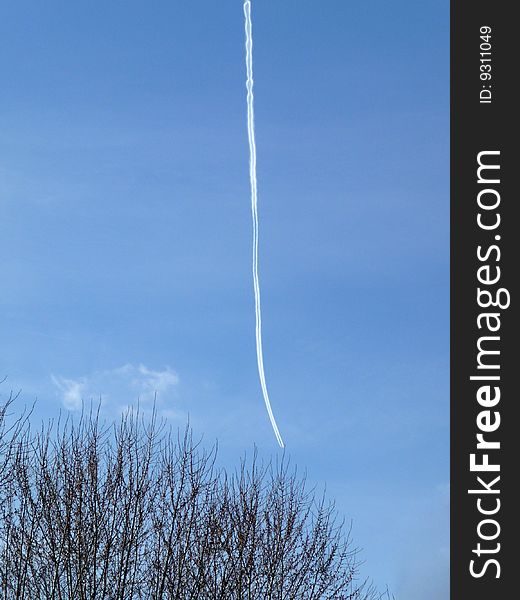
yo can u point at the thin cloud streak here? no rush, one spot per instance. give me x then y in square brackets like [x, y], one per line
[254, 210]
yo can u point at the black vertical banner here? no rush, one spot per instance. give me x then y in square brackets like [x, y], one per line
[485, 258]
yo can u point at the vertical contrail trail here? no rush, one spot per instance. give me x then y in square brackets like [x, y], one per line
[254, 210]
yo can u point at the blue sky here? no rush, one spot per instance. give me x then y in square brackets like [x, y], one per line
[125, 238]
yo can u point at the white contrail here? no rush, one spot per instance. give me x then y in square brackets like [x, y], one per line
[254, 210]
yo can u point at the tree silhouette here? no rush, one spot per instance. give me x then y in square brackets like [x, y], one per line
[134, 511]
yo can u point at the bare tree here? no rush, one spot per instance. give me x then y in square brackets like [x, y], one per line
[133, 511]
[9, 434]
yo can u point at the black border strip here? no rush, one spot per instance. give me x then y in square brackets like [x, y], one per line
[478, 126]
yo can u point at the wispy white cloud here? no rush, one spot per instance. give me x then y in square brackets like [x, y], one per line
[120, 388]
[72, 391]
